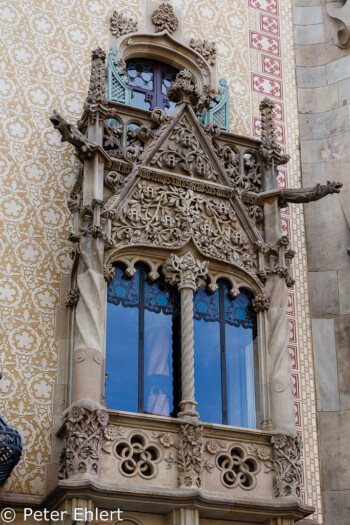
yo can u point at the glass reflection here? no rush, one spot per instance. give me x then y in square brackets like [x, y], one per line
[139, 363]
[225, 365]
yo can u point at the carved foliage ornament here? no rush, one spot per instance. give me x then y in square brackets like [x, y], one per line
[184, 153]
[120, 25]
[189, 458]
[165, 18]
[205, 48]
[183, 88]
[185, 271]
[82, 446]
[169, 216]
[269, 149]
[286, 465]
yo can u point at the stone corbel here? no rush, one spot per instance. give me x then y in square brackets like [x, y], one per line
[341, 15]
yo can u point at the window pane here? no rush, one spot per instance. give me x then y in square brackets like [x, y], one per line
[140, 74]
[207, 355]
[158, 364]
[121, 391]
[140, 100]
[208, 371]
[240, 377]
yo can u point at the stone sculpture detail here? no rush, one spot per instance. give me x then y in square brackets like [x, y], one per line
[83, 442]
[286, 465]
[261, 302]
[183, 88]
[237, 468]
[275, 260]
[165, 18]
[120, 25]
[168, 216]
[70, 133]
[269, 150]
[189, 458]
[341, 15]
[315, 193]
[205, 48]
[136, 455]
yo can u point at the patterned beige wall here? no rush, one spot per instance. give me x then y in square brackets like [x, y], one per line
[46, 65]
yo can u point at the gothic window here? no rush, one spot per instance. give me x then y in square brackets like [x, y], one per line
[225, 336]
[142, 344]
[148, 82]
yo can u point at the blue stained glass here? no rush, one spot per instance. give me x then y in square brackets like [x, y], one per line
[239, 311]
[122, 290]
[159, 297]
[206, 305]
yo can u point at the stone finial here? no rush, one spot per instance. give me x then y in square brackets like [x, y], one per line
[185, 271]
[165, 18]
[269, 150]
[98, 78]
[206, 49]
[183, 89]
[120, 25]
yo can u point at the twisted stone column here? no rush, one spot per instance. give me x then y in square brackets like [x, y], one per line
[187, 272]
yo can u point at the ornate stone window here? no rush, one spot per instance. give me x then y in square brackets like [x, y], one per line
[148, 83]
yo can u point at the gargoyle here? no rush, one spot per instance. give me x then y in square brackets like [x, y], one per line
[314, 193]
[71, 134]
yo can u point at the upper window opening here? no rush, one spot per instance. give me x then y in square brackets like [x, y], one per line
[148, 82]
[142, 344]
[225, 338]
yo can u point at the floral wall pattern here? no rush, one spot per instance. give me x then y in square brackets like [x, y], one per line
[46, 65]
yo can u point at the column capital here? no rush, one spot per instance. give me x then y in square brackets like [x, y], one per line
[185, 271]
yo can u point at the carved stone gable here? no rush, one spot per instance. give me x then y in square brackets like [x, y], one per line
[162, 214]
[183, 146]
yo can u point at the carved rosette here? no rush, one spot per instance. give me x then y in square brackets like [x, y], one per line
[205, 48]
[286, 465]
[185, 271]
[83, 442]
[165, 18]
[120, 25]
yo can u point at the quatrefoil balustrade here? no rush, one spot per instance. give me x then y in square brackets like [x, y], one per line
[137, 456]
[237, 468]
